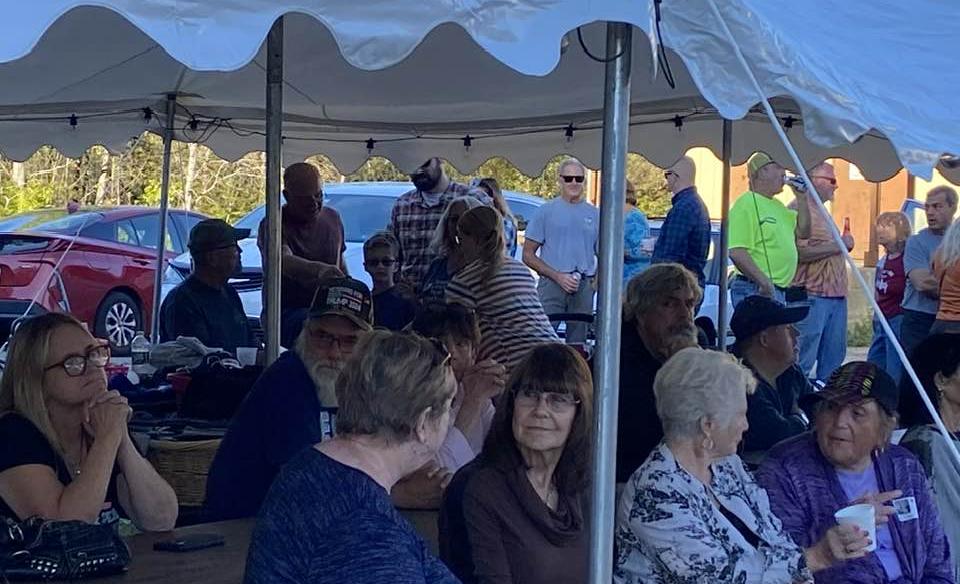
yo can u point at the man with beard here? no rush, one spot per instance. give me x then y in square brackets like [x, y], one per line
[416, 215]
[658, 321]
[292, 405]
[311, 244]
[767, 343]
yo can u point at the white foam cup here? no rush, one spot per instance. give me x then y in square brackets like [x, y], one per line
[247, 355]
[863, 516]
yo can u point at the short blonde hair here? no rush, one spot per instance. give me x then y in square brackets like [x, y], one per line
[389, 381]
[695, 384]
[647, 289]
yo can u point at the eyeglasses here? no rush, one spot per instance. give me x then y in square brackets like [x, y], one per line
[325, 340]
[556, 402]
[569, 179]
[668, 174]
[386, 262]
[76, 365]
[829, 179]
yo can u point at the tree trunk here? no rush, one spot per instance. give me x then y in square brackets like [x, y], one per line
[191, 175]
[103, 176]
[19, 174]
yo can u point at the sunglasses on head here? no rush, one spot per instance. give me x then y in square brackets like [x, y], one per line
[569, 179]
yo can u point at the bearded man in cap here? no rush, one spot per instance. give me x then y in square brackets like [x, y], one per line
[763, 234]
[204, 305]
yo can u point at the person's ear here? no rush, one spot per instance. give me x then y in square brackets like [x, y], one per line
[940, 380]
[421, 430]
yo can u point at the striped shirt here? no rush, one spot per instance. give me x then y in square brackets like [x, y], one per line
[508, 309]
[414, 219]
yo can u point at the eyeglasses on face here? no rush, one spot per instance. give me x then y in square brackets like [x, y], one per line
[76, 365]
[386, 262]
[571, 178]
[325, 340]
[556, 402]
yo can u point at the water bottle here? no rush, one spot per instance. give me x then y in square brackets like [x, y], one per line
[140, 355]
[796, 183]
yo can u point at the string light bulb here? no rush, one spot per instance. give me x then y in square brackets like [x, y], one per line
[467, 142]
[370, 144]
[678, 122]
[788, 122]
[568, 133]
[73, 120]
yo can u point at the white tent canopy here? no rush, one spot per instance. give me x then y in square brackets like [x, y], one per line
[418, 77]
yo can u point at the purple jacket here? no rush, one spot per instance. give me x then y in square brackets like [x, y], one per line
[805, 493]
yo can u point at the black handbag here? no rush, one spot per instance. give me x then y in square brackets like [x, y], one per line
[37, 549]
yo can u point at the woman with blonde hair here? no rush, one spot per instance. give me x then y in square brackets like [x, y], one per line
[450, 258]
[946, 268]
[490, 186]
[500, 289]
[66, 453]
[893, 229]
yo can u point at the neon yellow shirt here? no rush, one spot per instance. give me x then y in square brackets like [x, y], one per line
[767, 231]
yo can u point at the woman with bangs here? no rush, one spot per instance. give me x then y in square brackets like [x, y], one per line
[522, 504]
[65, 453]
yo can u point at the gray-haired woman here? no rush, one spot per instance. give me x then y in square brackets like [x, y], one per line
[692, 512]
[328, 517]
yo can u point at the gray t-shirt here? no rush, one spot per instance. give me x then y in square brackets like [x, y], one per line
[918, 255]
[568, 235]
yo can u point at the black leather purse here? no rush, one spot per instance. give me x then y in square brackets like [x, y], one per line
[37, 549]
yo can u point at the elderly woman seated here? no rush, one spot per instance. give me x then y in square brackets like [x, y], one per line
[848, 459]
[517, 514]
[328, 516]
[692, 513]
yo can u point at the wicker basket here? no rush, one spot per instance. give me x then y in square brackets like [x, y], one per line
[184, 465]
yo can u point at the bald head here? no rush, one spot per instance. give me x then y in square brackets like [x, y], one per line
[301, 179]
[682, 175]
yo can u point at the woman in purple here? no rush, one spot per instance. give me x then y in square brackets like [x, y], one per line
[848, 459]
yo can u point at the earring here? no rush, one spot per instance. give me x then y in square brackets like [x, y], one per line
[708, 443]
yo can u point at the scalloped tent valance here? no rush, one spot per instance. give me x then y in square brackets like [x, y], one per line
[873, 86]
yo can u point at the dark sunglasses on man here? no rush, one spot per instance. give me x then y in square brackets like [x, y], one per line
[569, 179]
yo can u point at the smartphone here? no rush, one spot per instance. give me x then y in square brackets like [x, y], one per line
[189, 543]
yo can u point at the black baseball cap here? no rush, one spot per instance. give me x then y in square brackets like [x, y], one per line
[854, 382]
[756, 314]
[211, 234]
[344, 297]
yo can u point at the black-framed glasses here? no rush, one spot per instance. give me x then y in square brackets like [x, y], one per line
[385, 262]
[325, 340]
[76, 365]
[571, 178]
[556, 401]
[668, 174]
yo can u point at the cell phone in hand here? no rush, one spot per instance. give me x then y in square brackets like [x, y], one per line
[189, 543]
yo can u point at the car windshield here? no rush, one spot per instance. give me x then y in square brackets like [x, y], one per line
[362, 215]
[53, 221]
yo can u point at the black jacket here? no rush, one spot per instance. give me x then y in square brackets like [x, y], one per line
[639, 429]
[772, 412]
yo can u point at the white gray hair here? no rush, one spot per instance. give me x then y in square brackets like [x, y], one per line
[570, 162]
[695, 384]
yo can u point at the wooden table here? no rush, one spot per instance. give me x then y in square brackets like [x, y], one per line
[218, 565]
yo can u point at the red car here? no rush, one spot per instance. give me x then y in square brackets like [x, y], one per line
[104, 278]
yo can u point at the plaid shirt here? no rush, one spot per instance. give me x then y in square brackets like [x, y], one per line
[413, 222]
[685, 234]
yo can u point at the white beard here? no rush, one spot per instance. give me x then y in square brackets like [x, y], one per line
[325, 379]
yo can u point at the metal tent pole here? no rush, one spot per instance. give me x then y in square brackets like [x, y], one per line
[837, 238]
[606, 373]
[164, 200]
[274, 142]
[724, 251]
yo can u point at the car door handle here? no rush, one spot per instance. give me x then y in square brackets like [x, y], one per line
[143, 261]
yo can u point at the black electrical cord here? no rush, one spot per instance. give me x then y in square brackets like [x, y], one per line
[662, 49]
[583, 45]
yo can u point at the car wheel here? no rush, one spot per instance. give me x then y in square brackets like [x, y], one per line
[118, 320]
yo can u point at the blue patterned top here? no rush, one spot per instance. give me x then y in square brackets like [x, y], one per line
[635, 230]
[670, 531]
[510, 236]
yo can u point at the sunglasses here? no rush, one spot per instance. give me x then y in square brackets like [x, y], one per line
[569, 179]
[76, 365]
[385, 262]
[830, 180]
[668, 174]
[556, 402]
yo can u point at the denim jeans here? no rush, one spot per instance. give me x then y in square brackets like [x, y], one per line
[914, 327]
[740, 288]
[882, 352]
[823, 336]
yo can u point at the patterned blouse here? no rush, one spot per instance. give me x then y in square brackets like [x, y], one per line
[635, 230]
[670, 531]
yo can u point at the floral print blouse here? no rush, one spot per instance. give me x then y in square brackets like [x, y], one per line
[670, 531]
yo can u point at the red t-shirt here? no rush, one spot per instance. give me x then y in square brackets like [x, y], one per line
[890, 283]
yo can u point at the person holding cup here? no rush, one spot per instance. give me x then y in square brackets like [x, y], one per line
[847, 460]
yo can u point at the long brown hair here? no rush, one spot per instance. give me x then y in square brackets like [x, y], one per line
[486, 225]
[21, 389]
[549, 367]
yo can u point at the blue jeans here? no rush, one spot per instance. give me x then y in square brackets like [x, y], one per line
[740, 288]
[882, 353]
[823, 336]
